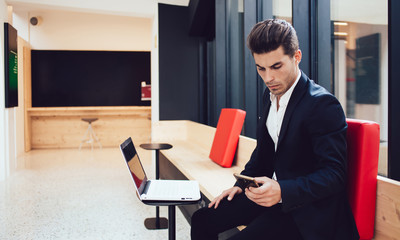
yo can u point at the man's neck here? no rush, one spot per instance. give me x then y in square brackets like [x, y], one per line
[278, 97]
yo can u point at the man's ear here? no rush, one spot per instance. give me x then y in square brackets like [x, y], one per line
[297, 56]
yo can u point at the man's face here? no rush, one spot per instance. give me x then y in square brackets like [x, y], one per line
[279, 71]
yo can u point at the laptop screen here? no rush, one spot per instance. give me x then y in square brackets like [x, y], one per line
[134, 164]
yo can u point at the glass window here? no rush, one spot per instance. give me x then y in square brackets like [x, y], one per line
[235, 47]
[360, 63]
[282, 9]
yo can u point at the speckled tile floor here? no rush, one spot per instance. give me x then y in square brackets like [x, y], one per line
[71, 194]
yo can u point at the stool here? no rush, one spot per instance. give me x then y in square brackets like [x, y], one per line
[89, 136]
[157, 222]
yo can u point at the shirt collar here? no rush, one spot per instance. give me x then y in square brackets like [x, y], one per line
[286, 96]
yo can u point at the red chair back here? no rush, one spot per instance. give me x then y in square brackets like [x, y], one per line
[362, 155]
[226, 136]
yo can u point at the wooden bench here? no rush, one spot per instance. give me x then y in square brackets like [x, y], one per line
[191, 147]
[188, 159]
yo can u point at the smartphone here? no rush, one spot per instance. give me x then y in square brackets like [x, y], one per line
[245, 181]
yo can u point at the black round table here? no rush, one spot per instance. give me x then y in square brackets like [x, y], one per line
[157, 222]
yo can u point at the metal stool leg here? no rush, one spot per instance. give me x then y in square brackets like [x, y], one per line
[90, 137]
[84, 137]
[94, 137]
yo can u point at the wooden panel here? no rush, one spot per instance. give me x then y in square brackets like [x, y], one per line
[27, 96]
[387, 220]
[90, 111]
[63, 127]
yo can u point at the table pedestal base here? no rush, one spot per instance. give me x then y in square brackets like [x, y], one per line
[151, 223]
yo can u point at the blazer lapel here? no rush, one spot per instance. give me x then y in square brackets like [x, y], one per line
[298, 92]
[263, 131]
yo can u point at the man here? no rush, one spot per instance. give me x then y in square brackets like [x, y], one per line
[300, 157]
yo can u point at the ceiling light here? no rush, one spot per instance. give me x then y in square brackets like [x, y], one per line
[340, 23]
[340, 33]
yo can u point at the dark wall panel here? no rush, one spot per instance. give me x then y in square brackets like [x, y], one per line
[178, 65]
[88, 78]
[394, 86]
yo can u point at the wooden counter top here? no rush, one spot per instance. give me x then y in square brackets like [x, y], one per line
[62, 127]
[72, 111]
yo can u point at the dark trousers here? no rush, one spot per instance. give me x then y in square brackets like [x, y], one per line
[261, 222]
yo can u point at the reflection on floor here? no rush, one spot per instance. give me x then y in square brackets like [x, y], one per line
[71, 194]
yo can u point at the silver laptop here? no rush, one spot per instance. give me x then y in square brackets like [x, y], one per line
[157, 190]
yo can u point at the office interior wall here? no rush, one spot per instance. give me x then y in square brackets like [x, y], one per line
[20, 110]
[155, 103]
[65, 30]
[18, 115]
[61, 30]
[138, 8]
[6, 114]
[178, 65]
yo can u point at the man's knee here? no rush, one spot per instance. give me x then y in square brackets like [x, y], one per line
[199, 218]
[200, 225]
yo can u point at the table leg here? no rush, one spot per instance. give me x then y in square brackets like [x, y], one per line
[157, 222]
[171, 223]
[157, 164]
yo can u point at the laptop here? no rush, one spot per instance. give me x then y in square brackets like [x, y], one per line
[157, 190]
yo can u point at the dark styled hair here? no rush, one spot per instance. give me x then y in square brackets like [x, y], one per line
[269, 35]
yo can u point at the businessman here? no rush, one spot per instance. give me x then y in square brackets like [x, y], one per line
[299, 160]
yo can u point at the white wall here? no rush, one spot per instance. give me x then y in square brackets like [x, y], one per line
[64, 30]
[7, 126]
[138, 8]
[155, 103]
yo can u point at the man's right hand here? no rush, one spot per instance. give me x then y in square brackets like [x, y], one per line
[230, 193]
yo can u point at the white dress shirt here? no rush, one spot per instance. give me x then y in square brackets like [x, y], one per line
[275, 116]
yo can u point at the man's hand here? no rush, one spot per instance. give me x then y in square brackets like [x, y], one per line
[230, 193]
[267, 195]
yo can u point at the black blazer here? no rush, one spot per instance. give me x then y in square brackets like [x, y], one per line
[310, 162]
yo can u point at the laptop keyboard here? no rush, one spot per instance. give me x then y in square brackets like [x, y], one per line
[169, 189]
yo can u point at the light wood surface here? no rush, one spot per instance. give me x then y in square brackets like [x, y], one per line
[387, 219]
[63, 127]
[27, 96]
[190, 154]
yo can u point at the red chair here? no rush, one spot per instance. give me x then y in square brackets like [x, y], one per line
[363, 154]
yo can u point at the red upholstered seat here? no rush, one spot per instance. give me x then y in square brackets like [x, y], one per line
[226, 137]
[363, 154]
